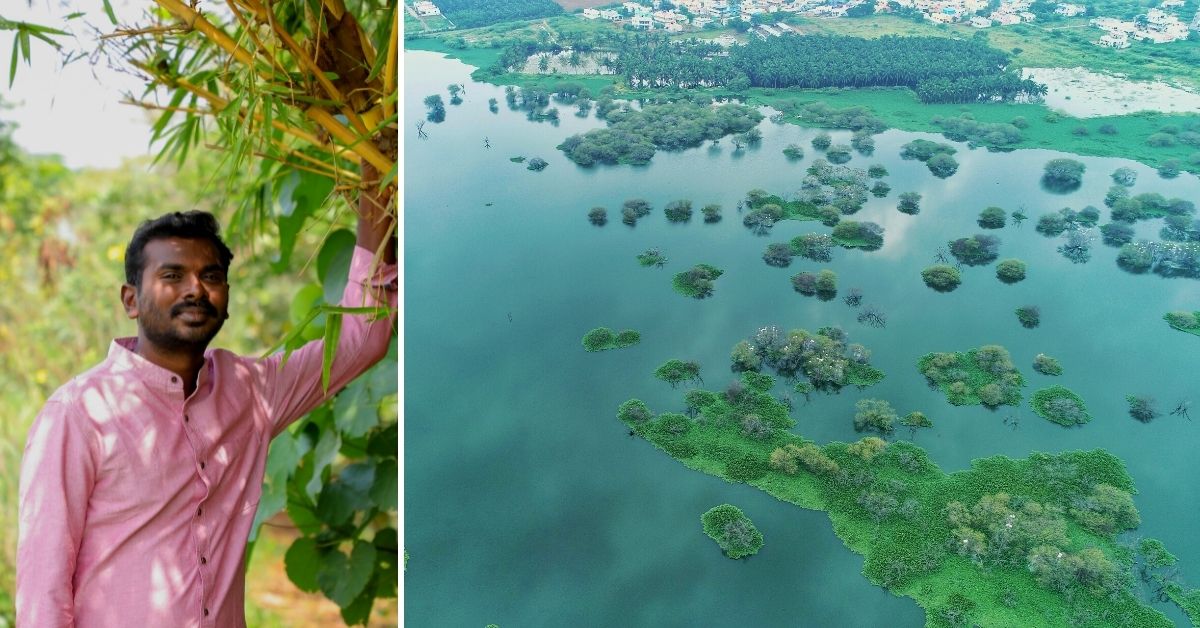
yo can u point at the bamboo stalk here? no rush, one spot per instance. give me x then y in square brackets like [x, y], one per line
[210, 31]
[389, 70]
[306, 62]
[355, 143]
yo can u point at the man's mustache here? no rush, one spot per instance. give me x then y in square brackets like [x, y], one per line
[207, 307]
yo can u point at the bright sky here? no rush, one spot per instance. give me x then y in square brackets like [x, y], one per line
[74, 111]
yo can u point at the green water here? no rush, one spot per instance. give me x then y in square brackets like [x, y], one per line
[525, 501]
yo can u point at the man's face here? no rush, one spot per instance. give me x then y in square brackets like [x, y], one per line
[184, 295]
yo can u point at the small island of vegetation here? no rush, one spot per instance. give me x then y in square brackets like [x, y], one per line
[603, 338]
[825, 358]
[1060, 405]
[1010, 270]
[732, 530]
[652, 257]
[978, 250]
[979, 376]
[1184, 321]
[697, 282]
[1047, 365]
[941, 277]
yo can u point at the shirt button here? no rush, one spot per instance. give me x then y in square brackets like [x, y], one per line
[174, 380]
[201, 465]
[206, 612]
[186, 418]
[203, 560]
[199, 511]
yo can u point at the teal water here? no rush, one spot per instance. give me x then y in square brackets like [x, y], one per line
[526, 503]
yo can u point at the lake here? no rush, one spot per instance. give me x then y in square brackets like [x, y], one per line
[525, 501]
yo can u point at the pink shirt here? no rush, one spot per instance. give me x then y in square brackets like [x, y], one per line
[136, 503]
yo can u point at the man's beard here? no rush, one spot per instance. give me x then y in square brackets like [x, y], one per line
[161, 330]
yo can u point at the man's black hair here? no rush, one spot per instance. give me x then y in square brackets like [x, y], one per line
[190, 225]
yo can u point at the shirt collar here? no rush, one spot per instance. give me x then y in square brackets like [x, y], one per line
[122, 356]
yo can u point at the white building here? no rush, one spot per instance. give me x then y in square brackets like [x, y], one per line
[590, 14]
[610, 15]
[1026, 16]
[1070, 10]
[1114, 40]
[1005, 19]
[980, 22]
[426, 8]
[701, 21]
[644, 22]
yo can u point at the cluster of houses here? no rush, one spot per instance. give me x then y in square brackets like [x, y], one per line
[700, 13]
[1157, 25]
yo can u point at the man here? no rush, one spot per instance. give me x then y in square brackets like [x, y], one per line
[141, 477]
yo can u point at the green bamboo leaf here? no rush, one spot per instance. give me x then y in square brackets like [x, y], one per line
[302, 562]
[23, 35]
[108, 10]
[333, 331]
[12, 66]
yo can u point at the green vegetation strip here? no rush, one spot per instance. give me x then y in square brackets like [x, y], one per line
[1057, 564]
[603, 338]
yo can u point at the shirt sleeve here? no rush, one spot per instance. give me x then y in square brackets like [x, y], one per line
[58, 472]
[295, 388]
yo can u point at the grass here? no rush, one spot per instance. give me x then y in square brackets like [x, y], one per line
[996, 595]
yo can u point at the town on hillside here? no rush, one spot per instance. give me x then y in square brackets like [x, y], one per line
[1158, 25]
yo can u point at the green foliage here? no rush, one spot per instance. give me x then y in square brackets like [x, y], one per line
[941, 277]
[992, 218]
[697, 282]
[1030, 316]
[634, 135]
[793, 151]
[977, 250]
[916, 420]
[1062, 174]
[599, 339]
[1010, 270]
[679, 211]
[874, 414]
[1142, 408]
[892, 505]
[1060, 405]
[732, 530]
[746, 468]
[652, 257]
[942, 165]
[910, 203]
[1106, 511]
[853, 118]
[851, 234]
[965, 128]
[473, 13]
[923, 150]
[985, 375]
[1184, 321]
[1046, 365]
[675, 372]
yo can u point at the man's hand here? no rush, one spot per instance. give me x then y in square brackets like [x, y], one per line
[374, 221]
